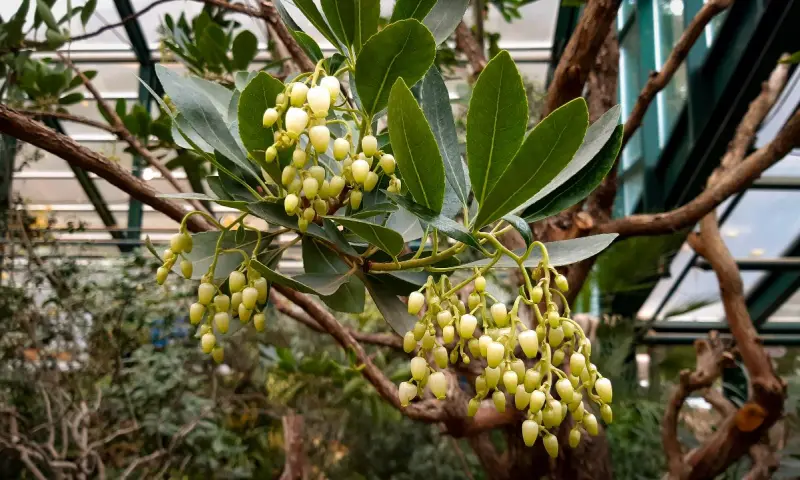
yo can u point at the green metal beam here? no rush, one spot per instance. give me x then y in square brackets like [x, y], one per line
[566, 21]
[773, 290]
[678, 339]
[789, 328]
[787, 264]
[8, 152]
[776, 183]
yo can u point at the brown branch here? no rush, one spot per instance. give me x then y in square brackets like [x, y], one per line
[659, 80]
[28, 130]
[294, 311]
[580, 53]
[295, 463]
[70, 118]
[141, 461]
[124, 134]
[270, 15]
[466, 43]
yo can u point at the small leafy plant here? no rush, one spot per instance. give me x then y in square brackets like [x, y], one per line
[306, 157]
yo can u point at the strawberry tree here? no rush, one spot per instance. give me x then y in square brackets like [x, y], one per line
[358, 159]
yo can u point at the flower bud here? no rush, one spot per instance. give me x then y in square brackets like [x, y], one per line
[369, 145]
[473, 300]
[484, 343]
[474, 347]
[492, 376]
[569, 330]
[538, 398]
[249, 297]
[341, 149]
[319, 99]
[554, 319]
[521, 397]
[510, 381]
[218, 354]
[244, 313]
[320, 138]
[415, 302]
[409, 342]
[280, 99]
[558, 357]
[499, 400]
[324, 194]
[270, 117]
[263, 289]
[394, 185]
[532, 379]
[556, 336]
[298, 94]
[371, 182]
[467, 326]
[168, 255]
[551, 445]
[529, 342]
[530, 432]
[259, 321]
[302, 224]
[448, 334]
[590, 424]
[603, 388]
[290, 203]
[577, 362]
[499, 314]
[310, 188]
[288, 174]
[419, 368]
[518, 366]
[574, 437]
[207, 342]
[296, 186]
[360, 170]
[561, 283]
[222, 302]
[236, 300]
[440, 356]
[564, 389]
[296, 121]
[331, 84]
[552, 414]
[606, 413]
[473, 406]
[480, 284]
[444, 318]
[495, 353]
[438, 384]
[419, 330]
[388, 164]
[222, 321]
[196, 312]
[428, 340]
[337, 185]
[299, 158]
[161, 275]
[205, 292]
[407, 392]
[355, 199]
[536, 294]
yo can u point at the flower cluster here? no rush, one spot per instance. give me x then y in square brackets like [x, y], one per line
[546, 369]
[302, 111]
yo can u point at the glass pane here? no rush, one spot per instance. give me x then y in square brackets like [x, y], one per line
[629, 89]
[789, 311]
[626, 9]
[763, 224]
[669, 26]
[633, 186]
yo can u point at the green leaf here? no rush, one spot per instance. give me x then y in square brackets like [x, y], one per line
[241, 79]
[308, 45]
[203, 117]
[384, 238]
[245, 46]
[496, 123]
[406, 224]
[445, 17]
[237, 204]
[368, 13]
[180, 124]
[275, 214]
[445, 225]
[318, 258]
[547, 149]
[374, 210]
[435, 100]
[793, 58]
[205, 244]
[561, 253]
[71, 98]
[13, 29]
[88, 10]
[341, 16]
[393, 310]
[43, 10]
[55, 38]
[216, 93]
[256, 97]
[310, 11]
[415, 148]
[416, 9]
[596, 138]
[521, 226]
[285, 17]
[580, 185]
[314, 284]
[405, 49]
[149, 244]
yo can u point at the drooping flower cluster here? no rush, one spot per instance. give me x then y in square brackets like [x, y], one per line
[301, 112]
[526, 363]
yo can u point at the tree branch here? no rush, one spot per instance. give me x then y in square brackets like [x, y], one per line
[28, 130]
[270, 15]
[295, 463]
[466, 42]
[70, 118]
[659, 80]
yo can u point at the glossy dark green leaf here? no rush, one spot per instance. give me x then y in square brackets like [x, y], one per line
[245, 46]
[180, 124]
[546, 151]
[368, 13]
[205, 244]
[496, 123]
[308, 45]
[416, 9]
[274, 214]
[88, 10]
[318, 258]
[255, 99]
[43, 10]
[315, 284]
[445, 17]
[313, 15]
[406, 224]
[70, 98]
[394, 311]
[561, 253]
[341, 16]
[521, 226]
[435, 100]
[149, 244]
[374, 210]
[203, 116]
[384, 238]
[580, 185]
[597, 136]
[445, 225]
[415, 149]
[285, 17]
[405, 49]
[241, 79]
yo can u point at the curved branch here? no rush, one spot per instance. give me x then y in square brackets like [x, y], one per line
[70, 118]
[466, 42]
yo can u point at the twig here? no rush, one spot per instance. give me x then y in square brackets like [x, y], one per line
[270, 15]
[70, 118]
[294, 465]
[466, 42]
[140, 461]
